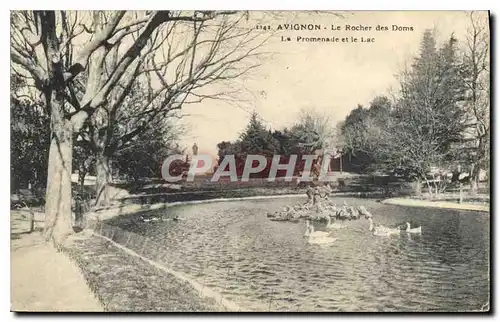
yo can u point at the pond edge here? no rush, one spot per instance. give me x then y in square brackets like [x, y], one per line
[204, 292]
[109, 213]
[435, 204]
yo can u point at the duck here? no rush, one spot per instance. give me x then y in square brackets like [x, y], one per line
[334, 225]
[417, 230]
[314, 234]
[380, 230]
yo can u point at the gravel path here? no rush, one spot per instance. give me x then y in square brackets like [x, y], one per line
[43, 279]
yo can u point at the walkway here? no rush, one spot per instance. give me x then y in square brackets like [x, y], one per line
[43, 279]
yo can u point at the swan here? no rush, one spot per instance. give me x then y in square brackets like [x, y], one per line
[354, 213]
[362, 210]
[331, 208]
[314, 234]
[321, 240]
[342, 214]
[335, 225]
[417, 230]
[382, 230]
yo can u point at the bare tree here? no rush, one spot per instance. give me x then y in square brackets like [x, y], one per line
[316, 133]
[476, 76]
[183, 63]
[315, 130]
[428, 120]
[53, 49]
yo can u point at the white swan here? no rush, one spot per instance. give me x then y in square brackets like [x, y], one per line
[362, 210]
[314, 234]
[417, 230]
[382, 230]
[335, 225]
[321, 240]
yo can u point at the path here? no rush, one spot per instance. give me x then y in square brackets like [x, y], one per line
[43, 279]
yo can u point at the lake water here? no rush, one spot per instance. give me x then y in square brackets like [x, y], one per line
[262, 265]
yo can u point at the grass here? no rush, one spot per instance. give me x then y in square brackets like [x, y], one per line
[124, 283]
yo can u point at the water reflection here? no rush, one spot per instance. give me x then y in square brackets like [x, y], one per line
[263, 265]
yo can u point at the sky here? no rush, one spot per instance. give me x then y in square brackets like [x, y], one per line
[332, 78]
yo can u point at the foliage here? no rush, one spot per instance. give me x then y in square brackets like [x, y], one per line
[256, 139]
[312, 131]
[30, 136]
[476, 77]
[29, 144]
[363, 130]
[143, 156]
[428, 118]
[425, 125]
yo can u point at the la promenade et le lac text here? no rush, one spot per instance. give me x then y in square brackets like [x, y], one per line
[333, 38]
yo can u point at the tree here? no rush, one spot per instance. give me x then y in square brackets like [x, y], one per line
[428, 118]
[353, 130]
[256, 139]
[362, 130]
[45, 47]
[30, 136]
[143, 156]
[476, 77]
[180, 65]
[314, 130]
[286, 142]
[315, 134]
[83, 160]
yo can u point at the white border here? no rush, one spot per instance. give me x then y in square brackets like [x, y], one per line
[257, 5]
[200, 4]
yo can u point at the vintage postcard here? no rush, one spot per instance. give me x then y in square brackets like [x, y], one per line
[250, 161]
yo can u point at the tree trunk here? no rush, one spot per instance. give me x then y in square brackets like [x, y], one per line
[103, 178]
[429, 187]
[488, 177]
[461, 193]
[341, 155]
[476, 167]
[58, 215]
[418, 187]
[31, 221]
[81, 177]
[474, 185]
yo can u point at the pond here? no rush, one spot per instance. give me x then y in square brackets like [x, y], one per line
[262, 265]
